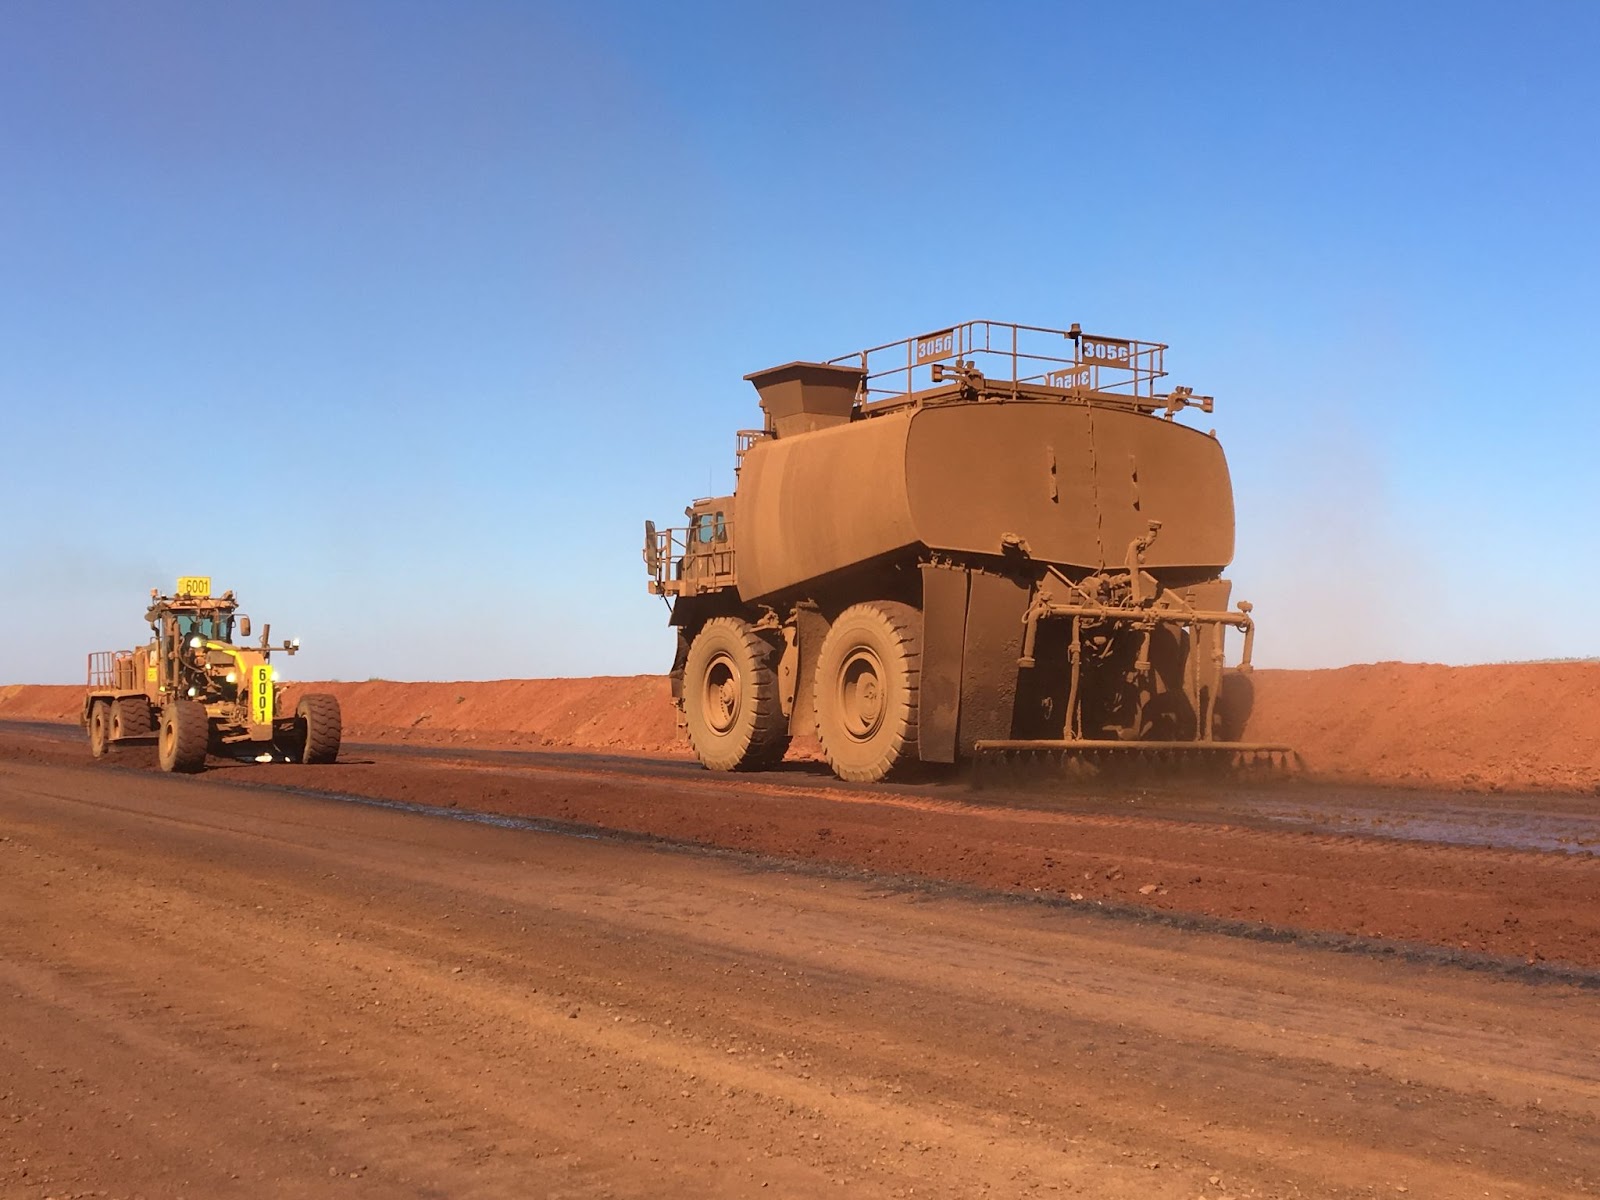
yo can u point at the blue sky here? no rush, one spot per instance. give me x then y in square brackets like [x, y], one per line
[400, 318]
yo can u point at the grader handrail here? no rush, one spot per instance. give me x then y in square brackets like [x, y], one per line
[102, 667]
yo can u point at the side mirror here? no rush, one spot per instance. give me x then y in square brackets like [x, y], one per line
[244, 626]
[652, 550]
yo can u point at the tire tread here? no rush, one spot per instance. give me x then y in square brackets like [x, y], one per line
[192, 730]
[131, 716]
[99, 726]
[324, 727]
[769, 734]
[903, 625]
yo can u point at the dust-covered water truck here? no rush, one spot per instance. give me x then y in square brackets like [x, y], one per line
[989, 540]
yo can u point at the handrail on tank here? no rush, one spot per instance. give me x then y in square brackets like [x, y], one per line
[746, 439]
[1006, 352]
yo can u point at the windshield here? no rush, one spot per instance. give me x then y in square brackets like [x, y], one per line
[709, 527]
[214, 627]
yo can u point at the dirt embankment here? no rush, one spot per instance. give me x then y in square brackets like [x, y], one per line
[620, 712]
[1506, 727]
[1518, 726]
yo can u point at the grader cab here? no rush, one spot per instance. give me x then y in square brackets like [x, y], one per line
[196, 691]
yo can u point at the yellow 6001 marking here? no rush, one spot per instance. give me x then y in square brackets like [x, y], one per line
[261, 694]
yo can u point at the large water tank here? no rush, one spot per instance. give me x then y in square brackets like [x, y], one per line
[1075, 483]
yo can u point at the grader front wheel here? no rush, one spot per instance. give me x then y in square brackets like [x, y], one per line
[868, 678]
[185, 735]
[730, 698]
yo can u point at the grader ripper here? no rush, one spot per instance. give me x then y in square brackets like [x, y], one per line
[195, 691]
[992, 540]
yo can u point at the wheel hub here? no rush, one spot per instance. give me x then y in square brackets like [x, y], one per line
[861, 694]
[720, 703]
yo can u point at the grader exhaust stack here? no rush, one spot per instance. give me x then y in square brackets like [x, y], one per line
[993, 539]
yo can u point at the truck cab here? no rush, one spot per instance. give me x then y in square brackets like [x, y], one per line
[697, 558]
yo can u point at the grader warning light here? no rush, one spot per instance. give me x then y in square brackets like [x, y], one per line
[988, 539]
[196, 691]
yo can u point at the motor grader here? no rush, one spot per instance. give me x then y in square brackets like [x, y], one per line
[197, 692]
[989, 540]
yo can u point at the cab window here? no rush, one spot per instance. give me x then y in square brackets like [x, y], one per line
[211, 627]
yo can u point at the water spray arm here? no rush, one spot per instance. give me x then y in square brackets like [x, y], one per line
[1248, 625]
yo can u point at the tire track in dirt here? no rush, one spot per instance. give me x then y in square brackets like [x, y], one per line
[1532, 907]
[316, 987]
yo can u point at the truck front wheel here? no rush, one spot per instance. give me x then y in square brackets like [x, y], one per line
[730, 698]
[185, 734]
[868, 675]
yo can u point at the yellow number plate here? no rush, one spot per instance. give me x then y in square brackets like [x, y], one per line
[261, 694]
[194, 585]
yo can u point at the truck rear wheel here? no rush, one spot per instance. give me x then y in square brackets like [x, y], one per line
[185, 734]
[130, 718]
[99, 728]
[321, 727]
[868, 675]
[730, 698]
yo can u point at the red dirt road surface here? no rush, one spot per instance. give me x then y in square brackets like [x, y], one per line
[224, 987]
[1519, 726]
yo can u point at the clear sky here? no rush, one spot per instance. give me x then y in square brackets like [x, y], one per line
[399, 318]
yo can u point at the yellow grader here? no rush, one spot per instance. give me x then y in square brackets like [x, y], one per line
[990, 540]
[196, 692]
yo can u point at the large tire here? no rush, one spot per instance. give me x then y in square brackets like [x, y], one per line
[130, 718]
[869, 673]
[730, 698]
[99, 728]
[321, 727]
[184, 737]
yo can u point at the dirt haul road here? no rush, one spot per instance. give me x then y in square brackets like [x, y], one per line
[214, 990]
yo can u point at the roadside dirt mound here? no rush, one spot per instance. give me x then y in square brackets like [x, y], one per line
[40, 702]
[1523, 726]
[620, 712]
[626, 712]
[1512, 726]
